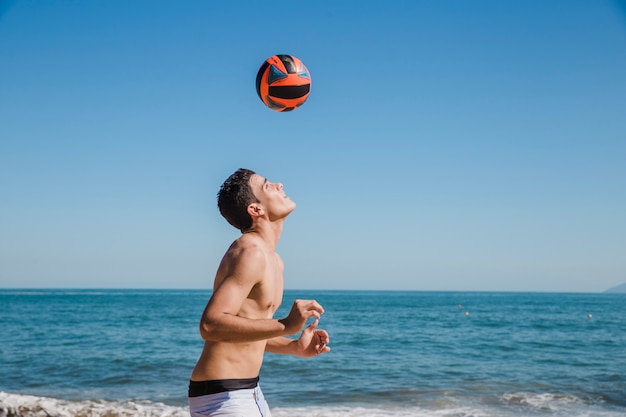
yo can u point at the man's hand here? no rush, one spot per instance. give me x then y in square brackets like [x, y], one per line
[313, 341]
[301, 311]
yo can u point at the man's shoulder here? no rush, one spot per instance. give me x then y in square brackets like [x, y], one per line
[245, 246]
[244, 258]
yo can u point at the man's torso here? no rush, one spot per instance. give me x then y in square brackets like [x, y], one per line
[221, 360]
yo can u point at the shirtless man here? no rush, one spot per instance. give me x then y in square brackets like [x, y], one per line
[237, 324]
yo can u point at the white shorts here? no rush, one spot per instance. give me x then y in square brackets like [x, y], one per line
[239, 403]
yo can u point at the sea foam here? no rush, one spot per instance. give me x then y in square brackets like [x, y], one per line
[14, 405]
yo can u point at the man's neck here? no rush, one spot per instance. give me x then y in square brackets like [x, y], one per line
[269, 232]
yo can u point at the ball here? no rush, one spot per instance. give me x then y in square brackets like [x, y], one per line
[283, 83]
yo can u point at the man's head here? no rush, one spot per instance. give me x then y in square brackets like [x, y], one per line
[235, 196]
[246, 195]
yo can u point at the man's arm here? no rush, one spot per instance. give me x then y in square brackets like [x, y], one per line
[282, 345]
[220, 321]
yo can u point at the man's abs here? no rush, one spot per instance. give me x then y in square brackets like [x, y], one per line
[229, 361]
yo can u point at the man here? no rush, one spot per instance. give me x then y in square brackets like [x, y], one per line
[237, 324]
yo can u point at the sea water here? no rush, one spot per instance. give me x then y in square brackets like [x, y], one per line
[446, 354]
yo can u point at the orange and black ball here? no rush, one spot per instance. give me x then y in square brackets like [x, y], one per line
[283, 83]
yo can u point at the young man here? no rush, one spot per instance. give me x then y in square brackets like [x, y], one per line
[237, 324]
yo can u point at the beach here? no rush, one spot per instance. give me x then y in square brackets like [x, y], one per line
[446, 354]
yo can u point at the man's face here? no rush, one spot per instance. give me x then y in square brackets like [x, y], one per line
[272, 197]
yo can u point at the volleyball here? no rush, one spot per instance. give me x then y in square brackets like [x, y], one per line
[283, 83]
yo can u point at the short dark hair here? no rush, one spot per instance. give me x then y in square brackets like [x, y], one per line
[234, 197]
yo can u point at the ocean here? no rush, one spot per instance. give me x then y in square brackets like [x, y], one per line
[109, 353]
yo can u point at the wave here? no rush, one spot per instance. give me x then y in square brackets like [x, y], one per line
[519, 404]
[541, 402]
[14, 405]
[379, 412]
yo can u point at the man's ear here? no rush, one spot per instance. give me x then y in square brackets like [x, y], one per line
[255, 210]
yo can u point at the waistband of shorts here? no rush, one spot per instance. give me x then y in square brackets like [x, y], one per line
[215, 386]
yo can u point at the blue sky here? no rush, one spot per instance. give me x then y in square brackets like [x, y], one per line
[446, 145]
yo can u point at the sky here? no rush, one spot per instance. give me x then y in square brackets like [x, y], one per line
[446, 145]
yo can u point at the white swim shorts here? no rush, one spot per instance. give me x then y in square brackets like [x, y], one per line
[238, 403]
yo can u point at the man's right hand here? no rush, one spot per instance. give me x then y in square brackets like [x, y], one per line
[301, 311]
